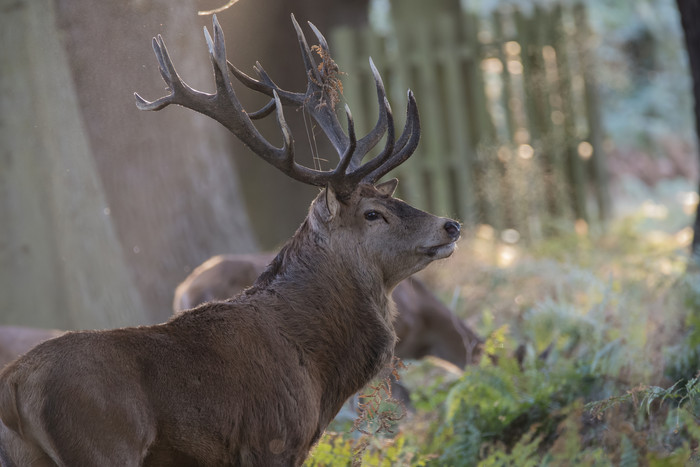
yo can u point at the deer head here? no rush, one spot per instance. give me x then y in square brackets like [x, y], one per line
[349, 201]
[369, 228]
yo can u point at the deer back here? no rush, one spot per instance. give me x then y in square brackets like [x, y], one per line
[424, 325]
[17, 340]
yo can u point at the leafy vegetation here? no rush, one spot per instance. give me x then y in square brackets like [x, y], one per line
[606, 329]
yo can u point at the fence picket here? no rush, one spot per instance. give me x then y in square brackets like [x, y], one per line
[574, 165]
[502, 113]
[461, 148]
[599, 176]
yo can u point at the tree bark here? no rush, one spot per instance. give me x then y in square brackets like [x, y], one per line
[690, 20]
[61, 264]
[170, 183]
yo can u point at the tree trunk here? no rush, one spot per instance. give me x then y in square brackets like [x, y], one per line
[690, 20]
[58, 246]
[105, 208]
[171, 186]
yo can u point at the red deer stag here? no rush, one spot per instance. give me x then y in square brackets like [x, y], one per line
[424, 325]
[256, 379]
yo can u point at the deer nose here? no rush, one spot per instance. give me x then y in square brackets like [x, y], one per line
[452, 228]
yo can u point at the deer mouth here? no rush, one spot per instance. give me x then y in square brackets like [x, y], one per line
[439, 251]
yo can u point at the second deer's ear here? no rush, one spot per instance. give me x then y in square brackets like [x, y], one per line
[387, 188]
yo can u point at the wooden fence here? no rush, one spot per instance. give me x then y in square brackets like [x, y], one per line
[511, 133]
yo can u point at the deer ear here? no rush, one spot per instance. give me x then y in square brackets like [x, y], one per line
[387, 188]
[332, 203]
[326, 206]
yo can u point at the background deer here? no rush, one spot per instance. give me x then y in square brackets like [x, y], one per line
[256, 379]
[424, 325]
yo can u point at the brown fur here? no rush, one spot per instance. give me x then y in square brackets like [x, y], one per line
[250, 381]
[17, 340]
[424, 325]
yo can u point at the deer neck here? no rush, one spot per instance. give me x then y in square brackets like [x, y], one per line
[310, 272]
[345, 308]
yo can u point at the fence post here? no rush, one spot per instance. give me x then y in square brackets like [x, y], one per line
[468, 167]
[574, 164]
[583, 39]
[461, 154]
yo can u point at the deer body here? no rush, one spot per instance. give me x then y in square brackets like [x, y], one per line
[255, 380]
[165, 397]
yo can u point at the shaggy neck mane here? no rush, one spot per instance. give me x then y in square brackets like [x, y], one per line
[346, 311]
[292, 249]
[305, 261]
[307, 250]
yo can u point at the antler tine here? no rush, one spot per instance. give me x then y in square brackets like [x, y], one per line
[167, 72]
[266, 86]
[348, 155]
[266, 80]
[165, 65]
[306, 55]
[372, 138]
[287, 140]
[264, 111]
[217, 48]
[409, 125]
[405, 146]
[322, 42]
[363, 171]
[314, 100]
[305, 174]
[222, 106]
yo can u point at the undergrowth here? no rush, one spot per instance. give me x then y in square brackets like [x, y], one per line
[606, 330]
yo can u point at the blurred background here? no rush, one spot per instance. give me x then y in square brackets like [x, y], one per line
[539, 117]
[560, 132]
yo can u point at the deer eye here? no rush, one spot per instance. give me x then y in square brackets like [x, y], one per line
[372, 215]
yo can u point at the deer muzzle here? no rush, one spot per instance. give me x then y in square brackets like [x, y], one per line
[451, 234]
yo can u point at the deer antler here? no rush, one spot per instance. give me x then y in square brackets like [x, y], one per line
[224, 107]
